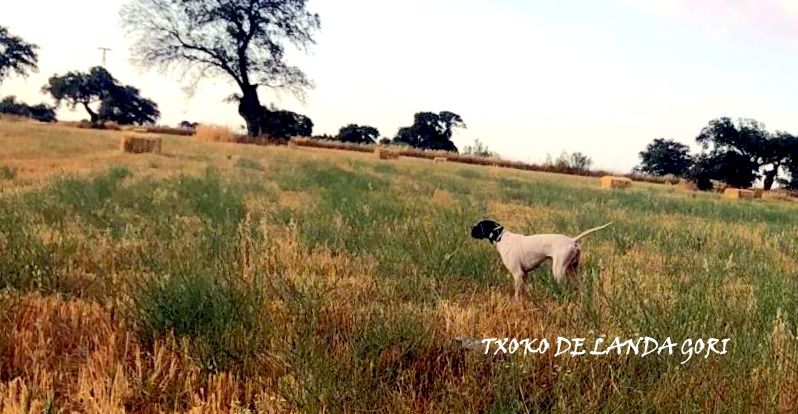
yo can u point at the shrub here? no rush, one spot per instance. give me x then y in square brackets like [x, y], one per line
[7, 173]
[478, 149]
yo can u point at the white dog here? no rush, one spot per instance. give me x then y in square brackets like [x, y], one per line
[521, 254]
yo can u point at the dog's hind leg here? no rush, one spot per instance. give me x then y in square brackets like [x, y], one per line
[564, 263]
[572, 270]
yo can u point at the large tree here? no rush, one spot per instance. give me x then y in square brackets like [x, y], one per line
[665, 156]
[775, 153]
[242, 40]
[80, 88]
[16, 55]
[119, 103]
[730, 167]
[790, 146]
[431, 131]
[358, 134]
[746, 145]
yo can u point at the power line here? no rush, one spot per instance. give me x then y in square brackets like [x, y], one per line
[104, 51]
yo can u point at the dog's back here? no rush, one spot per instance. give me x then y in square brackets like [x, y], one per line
[531, 251]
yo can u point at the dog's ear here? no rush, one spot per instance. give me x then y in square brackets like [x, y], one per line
[478, 232]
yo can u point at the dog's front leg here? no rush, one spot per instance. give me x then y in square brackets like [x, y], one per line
[518, 279]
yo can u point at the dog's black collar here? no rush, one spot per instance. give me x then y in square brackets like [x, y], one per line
[495, 235]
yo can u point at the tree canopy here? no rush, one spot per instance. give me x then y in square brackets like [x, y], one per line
[431, 131]
[125, 106]
[730, 167]
[776, 153]
[119, 103]
[789, 144]
[747, 145]
[286, 124]
[736, 153]
[358, 134]
[241, 40]
[665, 156]
[16, 55]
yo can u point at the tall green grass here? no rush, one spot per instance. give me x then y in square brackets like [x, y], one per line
[188, 256]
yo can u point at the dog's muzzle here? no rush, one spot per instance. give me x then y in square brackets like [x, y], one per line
[495, 235]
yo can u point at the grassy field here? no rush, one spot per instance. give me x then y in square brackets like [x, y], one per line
[235, 278]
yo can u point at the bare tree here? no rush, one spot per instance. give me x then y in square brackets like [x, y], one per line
[242, 40]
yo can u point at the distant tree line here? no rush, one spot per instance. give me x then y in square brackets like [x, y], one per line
[432, 131]
[735, 153]
[479, 149]
[572, 161]
[118, 103]
[41, 112]
[19, 57]
[242, 40]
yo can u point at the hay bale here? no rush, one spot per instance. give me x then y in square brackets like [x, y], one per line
[758, 193]
[738, 194]
[136, 144]
[385, 154]
[440, 159]
[777, 195]
[610, 182]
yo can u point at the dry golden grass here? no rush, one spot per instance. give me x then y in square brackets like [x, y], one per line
[215, 133]
[74, 356]
[366, 312]
[466, 159]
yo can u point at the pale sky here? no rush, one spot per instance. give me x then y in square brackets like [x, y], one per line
[530, 78]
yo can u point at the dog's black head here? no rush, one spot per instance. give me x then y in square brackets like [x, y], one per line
[487, 229]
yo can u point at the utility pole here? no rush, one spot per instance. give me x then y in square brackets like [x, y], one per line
[104, 50]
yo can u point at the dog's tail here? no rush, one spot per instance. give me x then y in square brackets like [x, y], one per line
[591, 231]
